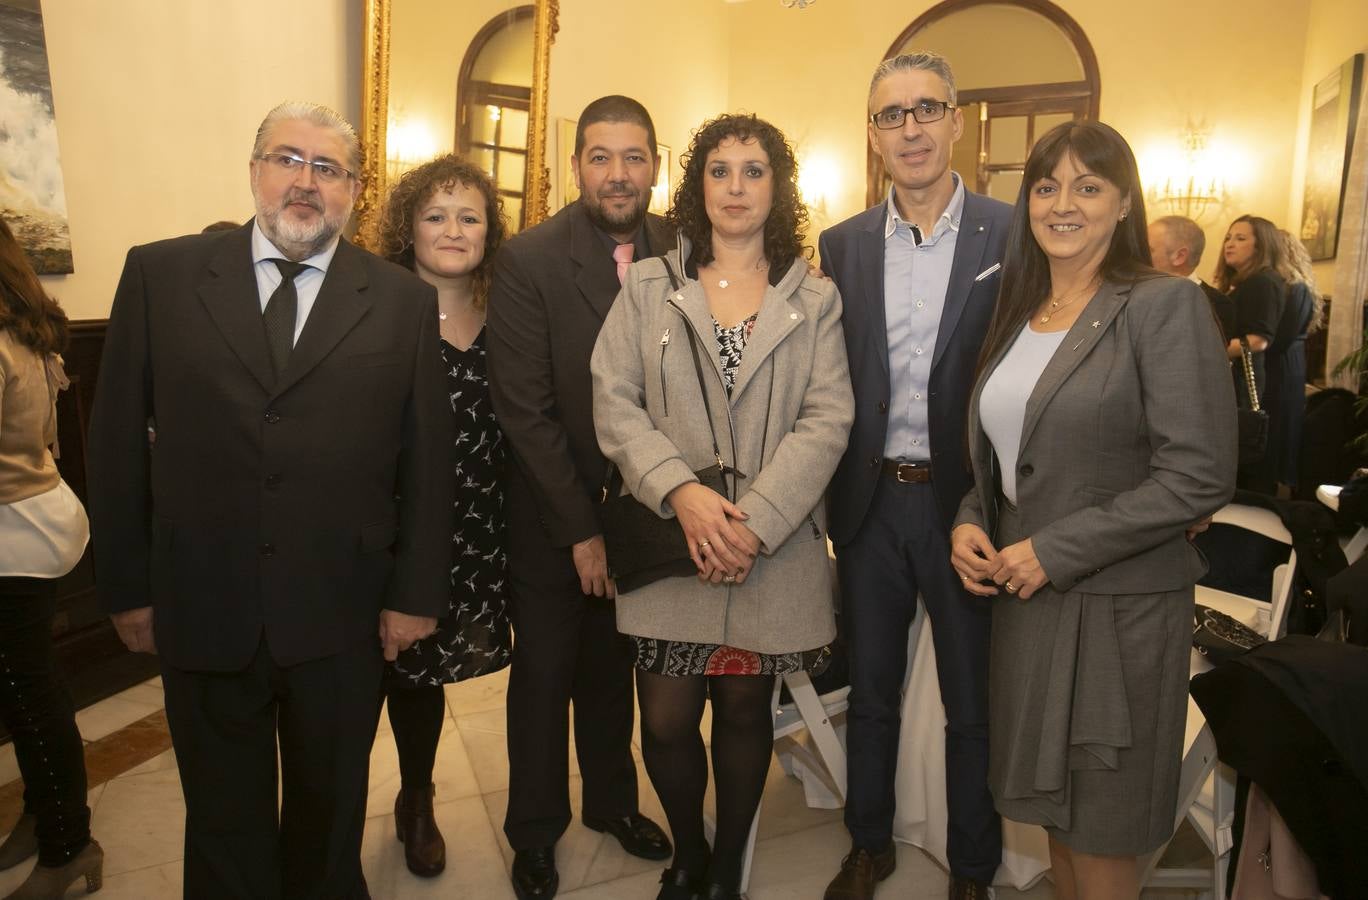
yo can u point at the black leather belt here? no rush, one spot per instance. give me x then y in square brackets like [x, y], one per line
[907, 472]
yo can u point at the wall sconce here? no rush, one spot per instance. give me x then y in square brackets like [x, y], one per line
[818, 180]
[408, 143]
[1188, 179]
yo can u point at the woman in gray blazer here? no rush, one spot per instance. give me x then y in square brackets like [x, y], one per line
[734, 312]
[1102, 426]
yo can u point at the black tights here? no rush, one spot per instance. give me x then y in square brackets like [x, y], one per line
[742, 741]
[415, 715]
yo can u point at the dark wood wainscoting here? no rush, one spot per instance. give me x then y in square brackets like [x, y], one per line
[89, 652]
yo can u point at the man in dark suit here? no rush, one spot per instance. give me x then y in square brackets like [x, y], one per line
[553, 286]
[918, 276]
[290, 530]
[1176, 244]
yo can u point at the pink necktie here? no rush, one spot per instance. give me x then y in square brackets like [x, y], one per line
[623, 253]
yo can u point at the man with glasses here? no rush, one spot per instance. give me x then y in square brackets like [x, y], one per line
[290, 531]
[918, 276]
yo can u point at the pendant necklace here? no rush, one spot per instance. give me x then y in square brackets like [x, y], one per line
[723, 283]
[1057, 304]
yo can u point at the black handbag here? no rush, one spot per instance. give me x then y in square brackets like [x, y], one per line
[643, 547]
[1220, 638]
[1252, 420]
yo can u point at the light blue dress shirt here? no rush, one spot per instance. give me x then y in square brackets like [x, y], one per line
[916, 277]
[307, 282]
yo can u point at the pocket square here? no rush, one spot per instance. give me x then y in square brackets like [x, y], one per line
[988, 271]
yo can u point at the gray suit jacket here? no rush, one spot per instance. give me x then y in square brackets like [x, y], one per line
[1129, 438]
[790, 411]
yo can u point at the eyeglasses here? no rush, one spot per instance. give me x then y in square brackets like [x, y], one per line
[926, 111]
[328, 173]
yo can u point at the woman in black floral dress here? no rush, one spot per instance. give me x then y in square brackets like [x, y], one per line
[444, 221]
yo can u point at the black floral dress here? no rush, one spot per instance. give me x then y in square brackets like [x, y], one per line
[473, 638]
[678, 658]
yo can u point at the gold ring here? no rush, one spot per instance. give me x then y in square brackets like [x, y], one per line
[704, 543]
[1011, 588]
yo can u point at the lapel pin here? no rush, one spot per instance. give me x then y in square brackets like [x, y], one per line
[1097, 323]
[980, 228]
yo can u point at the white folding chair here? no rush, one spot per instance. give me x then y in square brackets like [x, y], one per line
[1206, 792]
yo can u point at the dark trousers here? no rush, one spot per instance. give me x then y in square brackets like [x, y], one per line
[37, 711]
[226, 727]
[900, 551]
[566, 649]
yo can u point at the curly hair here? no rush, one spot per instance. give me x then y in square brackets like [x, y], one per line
[788, 217]
[36, 319]
[415, 188]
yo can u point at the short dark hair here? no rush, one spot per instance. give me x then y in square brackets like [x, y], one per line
[615, 108]
[788, 217]
[1102, 150]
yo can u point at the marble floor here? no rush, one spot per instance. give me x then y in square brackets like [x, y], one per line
[138, 816]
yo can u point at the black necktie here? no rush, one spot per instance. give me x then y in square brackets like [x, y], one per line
[279, 314]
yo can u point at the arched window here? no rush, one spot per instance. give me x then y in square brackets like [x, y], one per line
[1021, 67]
[493, 95]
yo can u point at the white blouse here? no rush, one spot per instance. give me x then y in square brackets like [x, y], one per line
[1002, 404]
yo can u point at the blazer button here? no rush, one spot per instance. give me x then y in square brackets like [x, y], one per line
[1026, 470]
[273, 480]
[272, 417]
[883, 408]
[267, 550]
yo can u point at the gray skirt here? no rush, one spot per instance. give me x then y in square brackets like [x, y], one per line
[1087, 701]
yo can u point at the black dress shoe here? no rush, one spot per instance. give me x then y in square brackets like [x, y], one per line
[718, 892]
[638, 835]
[534, 873]
[677, 884]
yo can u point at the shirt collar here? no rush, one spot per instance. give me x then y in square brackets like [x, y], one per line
[263, 250]
[951, 217]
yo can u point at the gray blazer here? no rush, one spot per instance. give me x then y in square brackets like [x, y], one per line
[790, 411]
[1129, 437]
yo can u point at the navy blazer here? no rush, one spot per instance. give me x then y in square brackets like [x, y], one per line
[853, 256]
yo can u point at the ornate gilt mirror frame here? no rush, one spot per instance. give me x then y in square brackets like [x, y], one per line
[375, 117]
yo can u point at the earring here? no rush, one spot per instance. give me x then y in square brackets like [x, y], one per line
[1123, 217]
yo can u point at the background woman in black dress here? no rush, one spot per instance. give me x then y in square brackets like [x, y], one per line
[444, 221]
[1248, 272]
[1287, 358]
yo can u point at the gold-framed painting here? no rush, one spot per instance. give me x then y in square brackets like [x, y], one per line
[1334, 114]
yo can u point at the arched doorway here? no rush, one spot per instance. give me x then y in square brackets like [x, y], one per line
[493, 96]
[1021, 67]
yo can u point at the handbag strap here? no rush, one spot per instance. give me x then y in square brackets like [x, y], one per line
[613, 476]
[1247, 361]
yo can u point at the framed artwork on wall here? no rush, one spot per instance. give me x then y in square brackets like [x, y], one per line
[1334, 113]
[32, 195]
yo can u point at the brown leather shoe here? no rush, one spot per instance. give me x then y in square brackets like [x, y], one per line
[416, 828]
[968, 889]
[860, 872]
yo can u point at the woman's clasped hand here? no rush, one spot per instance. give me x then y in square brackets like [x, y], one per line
[984, 569]
[720, 543]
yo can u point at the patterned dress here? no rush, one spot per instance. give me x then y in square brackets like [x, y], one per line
[678, 658]
[473, 638]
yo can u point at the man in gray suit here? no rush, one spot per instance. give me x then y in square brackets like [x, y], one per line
[918, 276]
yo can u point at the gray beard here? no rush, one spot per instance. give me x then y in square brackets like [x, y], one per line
[296, 240]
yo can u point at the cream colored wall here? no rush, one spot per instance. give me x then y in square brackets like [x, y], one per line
[157, 104]
[428, 41]
[1156, 70]
[673, 57]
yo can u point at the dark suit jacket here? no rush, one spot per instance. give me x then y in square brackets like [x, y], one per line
[853, 255]
[553, 286]
[298, 507]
